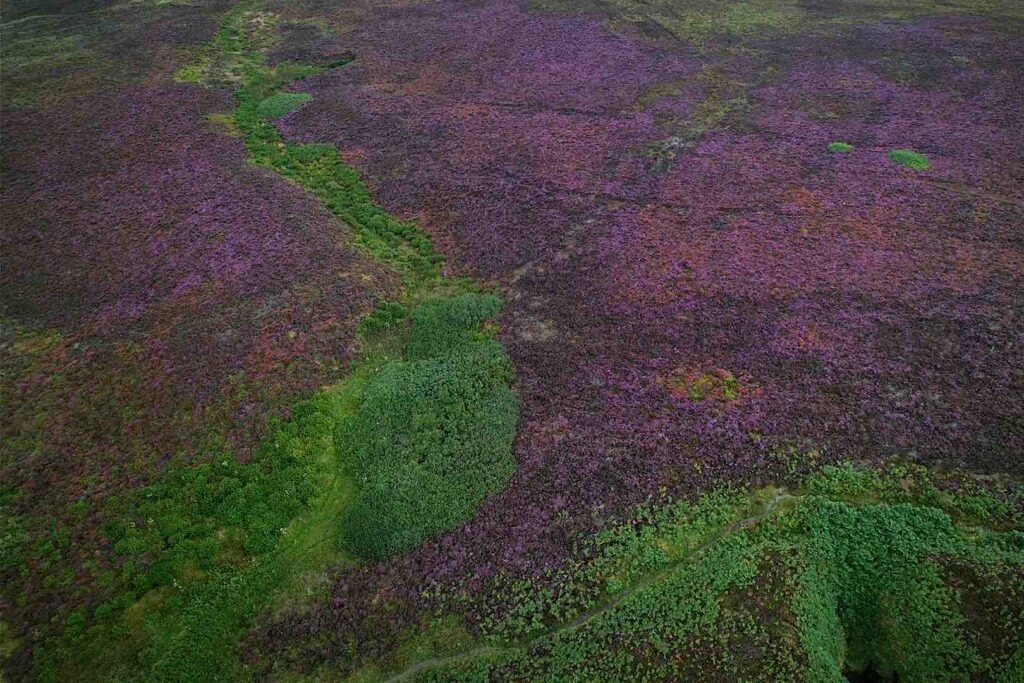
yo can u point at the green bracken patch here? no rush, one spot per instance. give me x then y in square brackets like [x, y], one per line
[404, 447]
[857, 570]
[202, 551]
[909, 158]
[433, 435]
[840, 147]
[281, 103]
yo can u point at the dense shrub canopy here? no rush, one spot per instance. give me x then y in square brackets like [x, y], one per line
[433, 435]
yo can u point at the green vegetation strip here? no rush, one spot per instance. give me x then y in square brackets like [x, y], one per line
[406, 446]
[434, 433]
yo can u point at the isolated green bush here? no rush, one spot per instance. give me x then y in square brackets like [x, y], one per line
[909, 158]
[840, 147]
[433, 434]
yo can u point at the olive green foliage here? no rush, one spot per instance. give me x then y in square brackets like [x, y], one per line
[696, 21]
[614, 561]
[858, 569]
[32, 54]
[202, 551]
[909, 158]
[235, 52]
[872, 596]
[448, 326]
[703, 21]
[319, 168]
[282, 103]
[14, 539]
[840, 147]
[433, 435]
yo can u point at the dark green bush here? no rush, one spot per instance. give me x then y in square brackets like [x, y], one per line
[445, 326]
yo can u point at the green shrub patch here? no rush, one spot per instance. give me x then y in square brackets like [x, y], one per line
[840, 147]
[909, 158]
[433, 434]
[279, 104]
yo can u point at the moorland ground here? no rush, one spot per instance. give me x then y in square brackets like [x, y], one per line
[512, 340]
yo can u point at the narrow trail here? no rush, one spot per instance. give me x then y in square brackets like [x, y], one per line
[588, 616]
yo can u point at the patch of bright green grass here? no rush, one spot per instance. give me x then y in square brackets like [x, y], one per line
[320, 169]
[909, 158]
[840, 147]
[279, 104]
[433, 435]
[205, 548]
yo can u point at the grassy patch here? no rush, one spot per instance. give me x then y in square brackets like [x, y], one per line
[33, 61]
[319, 168]
[434, 433]
[840, 147]
[204, 548]
[696, 21]
[909, 158]
[281, 103]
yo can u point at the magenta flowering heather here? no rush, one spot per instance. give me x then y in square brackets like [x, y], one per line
[866, 311]
[163, 301]
[697, 291]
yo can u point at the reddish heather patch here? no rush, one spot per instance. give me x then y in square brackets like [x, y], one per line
[715, 384]
[151, 227]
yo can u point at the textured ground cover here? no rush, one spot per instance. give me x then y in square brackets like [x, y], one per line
[736, 241]
[163, 301]
[699, 288]
[194, 556]
[681, 592]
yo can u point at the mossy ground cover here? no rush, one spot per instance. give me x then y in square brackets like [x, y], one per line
[433, 436]
[840, 147]
[909, 158]
[282, 103]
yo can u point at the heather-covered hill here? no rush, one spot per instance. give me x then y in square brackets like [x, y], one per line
[513, 340]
